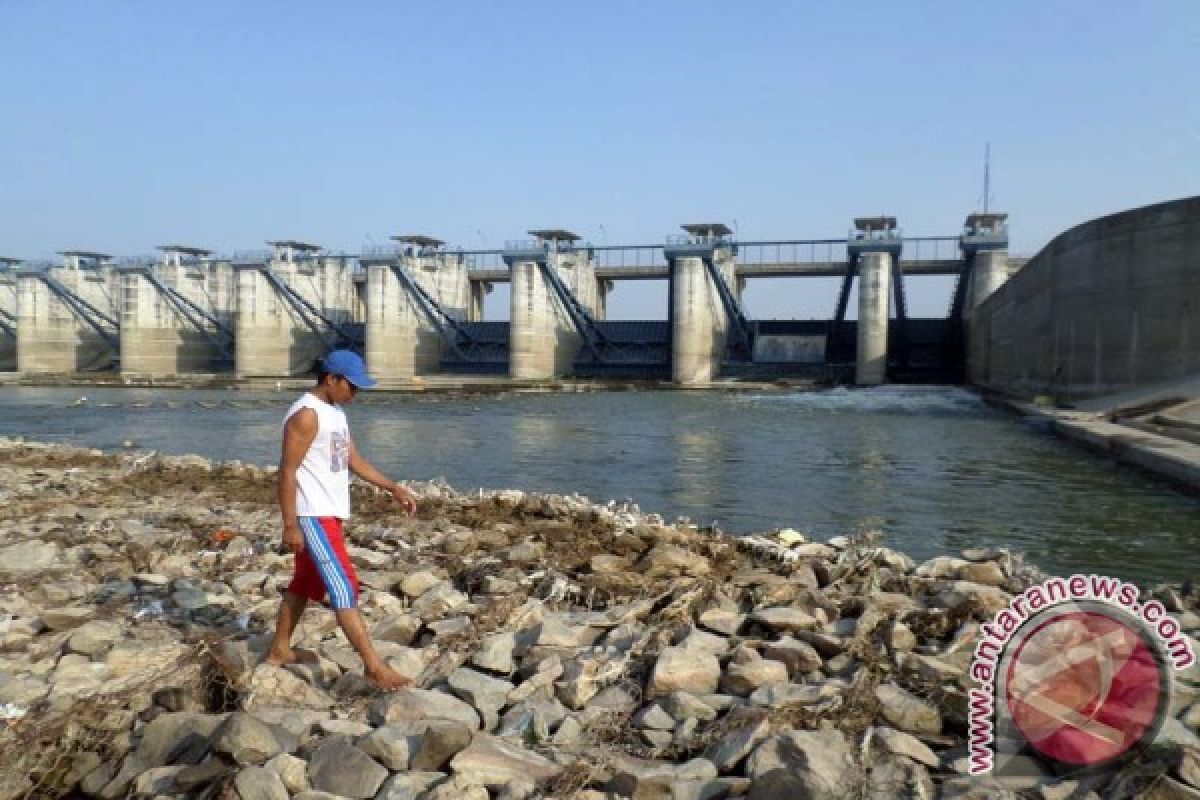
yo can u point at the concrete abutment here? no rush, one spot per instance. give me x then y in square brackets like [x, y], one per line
[279, 334]
[67, 317]
[177, 315]
[874, 296]
[410, 299]
[548, 276]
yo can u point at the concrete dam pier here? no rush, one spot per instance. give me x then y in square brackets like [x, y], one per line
[416, 307]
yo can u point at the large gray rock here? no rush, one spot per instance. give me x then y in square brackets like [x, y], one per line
[494, 762]
[794, 694]
[822, 760]
[93, 638]
[721, 620]
[339, 767]
[566, 630]
[731, 748]
[683, 706]
[343, 727]
[418, 583]
[986, 599]
[20, 689]
[271, 686]
[941, 567]
[260, 783]
[441, 741]
[157, 781]
[681, 669]
[654, 717]
[905, 744]
[392, 745]
[827, 645]
[906, 711]
[583, 678]
[454, 789]
[291, 770]
[246, 740]
[799, 657]
[989, 573]
[784, 619]
[193, 778]
[409, 785]
[610, 700]
[487, 694]
[397, 628]
[495, 652]
[780, 784]
[29, 558]
[548, 671]
[439, 601]
[672, 560]
[410, 705]
[180, 738]
[635, 777]
[900, 779]
[748, 671]
[704, 641]
[61, 619]
[77, 675]
[532, 718]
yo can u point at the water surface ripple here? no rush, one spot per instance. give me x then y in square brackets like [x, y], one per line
[934, 468]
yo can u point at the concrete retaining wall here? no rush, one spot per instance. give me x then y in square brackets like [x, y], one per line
[1108, 306]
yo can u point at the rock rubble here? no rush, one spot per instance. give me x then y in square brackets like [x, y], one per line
[559, 648]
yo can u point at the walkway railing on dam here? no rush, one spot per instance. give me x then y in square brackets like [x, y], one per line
[925, 255]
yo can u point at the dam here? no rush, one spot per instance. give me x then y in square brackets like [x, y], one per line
[1104, 316]
[416, 308]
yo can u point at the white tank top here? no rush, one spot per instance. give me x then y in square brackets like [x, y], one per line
[324, 476]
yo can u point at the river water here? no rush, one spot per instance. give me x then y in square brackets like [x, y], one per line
[935, 469]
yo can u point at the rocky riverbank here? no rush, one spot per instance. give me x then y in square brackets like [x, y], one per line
[558, 648]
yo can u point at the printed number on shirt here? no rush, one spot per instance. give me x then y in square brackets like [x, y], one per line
[339, 451]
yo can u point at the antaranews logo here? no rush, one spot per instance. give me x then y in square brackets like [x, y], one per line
[1076, 669]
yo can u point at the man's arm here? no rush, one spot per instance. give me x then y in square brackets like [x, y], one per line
[298, 434]
[366, 470]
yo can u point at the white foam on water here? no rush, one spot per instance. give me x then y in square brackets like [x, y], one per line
[916, 400]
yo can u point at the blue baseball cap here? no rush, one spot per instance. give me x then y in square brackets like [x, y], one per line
[349, 365]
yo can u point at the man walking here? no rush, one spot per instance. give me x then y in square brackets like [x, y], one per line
[314, 496]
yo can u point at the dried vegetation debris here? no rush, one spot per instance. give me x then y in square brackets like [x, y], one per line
[559, 648]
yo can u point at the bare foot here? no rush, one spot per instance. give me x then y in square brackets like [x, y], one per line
[291, 657]
[385, 678]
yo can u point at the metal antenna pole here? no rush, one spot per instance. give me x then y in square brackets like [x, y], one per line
[987, 175]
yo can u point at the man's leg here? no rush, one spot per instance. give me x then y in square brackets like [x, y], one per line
[337, 572]
[377, 672]
[290, 611]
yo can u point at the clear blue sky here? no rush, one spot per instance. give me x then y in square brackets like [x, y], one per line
[221, 123]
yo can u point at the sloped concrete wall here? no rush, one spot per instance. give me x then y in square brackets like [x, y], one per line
[1110, 305]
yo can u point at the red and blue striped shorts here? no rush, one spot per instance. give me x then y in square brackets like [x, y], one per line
[324, 568]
